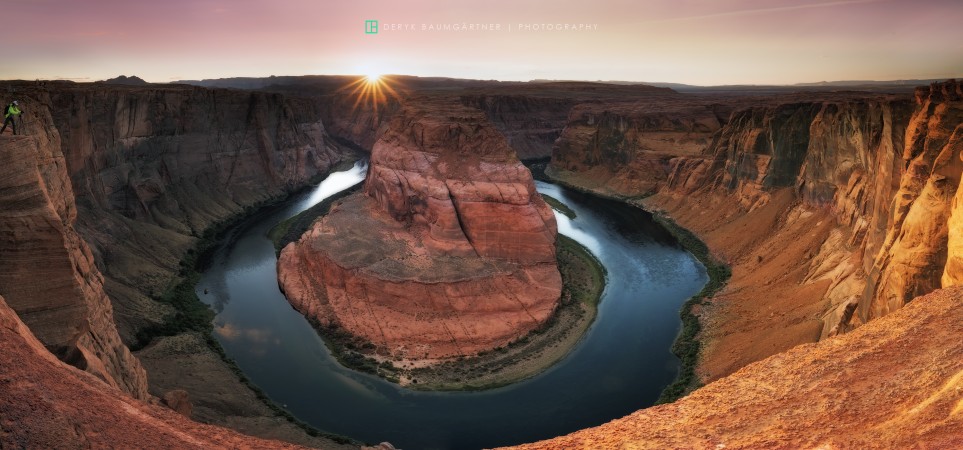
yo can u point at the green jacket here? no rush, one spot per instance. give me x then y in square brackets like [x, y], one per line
[12, 110]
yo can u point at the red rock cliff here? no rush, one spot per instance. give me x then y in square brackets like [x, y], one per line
[839, 204]
[449, 251]
[624, 147]
[530, 123]
[47, 272]
[887, 176]
[110, 190]
[153, 166]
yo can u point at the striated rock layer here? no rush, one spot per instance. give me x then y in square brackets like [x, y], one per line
[885, 173]
[153, 166]
[624, 147]
[47, 272]
[48, 404]
[138, 173]
[894, 383]
[786, 193]
[449, 251]
[833, 209]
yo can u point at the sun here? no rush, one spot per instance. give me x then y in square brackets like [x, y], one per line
[371, 90]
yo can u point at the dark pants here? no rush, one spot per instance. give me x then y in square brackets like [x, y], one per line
[10, 120]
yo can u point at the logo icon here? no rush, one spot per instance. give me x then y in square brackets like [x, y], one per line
[370, 27]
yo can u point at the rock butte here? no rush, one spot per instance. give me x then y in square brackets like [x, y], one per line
[449, 251]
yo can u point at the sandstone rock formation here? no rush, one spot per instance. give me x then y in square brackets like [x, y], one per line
[896, 382]
[107, 193]
[152, 167]
[887, 177]
[449, 251]
[356, 122]
[914, 255]
[624, 147]
[835, 210]
[807, 185]
[48, 404]
[530, 123]
[840, 204]
[47, 272]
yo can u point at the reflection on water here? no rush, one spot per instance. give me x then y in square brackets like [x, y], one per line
[334, 183]
[568, 228]
[621, 364]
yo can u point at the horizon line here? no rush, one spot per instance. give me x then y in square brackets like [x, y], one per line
[531, 80]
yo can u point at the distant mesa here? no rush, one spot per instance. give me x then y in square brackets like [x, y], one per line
[125, 80]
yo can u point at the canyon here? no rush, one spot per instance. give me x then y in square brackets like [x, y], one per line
[838, 204]
[448, 252]
[109, 188]
[839, 214]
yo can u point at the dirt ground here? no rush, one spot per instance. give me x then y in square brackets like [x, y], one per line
[219, 398]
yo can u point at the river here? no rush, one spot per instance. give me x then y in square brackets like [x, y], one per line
[621, 364]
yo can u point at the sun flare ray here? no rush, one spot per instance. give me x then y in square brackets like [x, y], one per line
[371, 91]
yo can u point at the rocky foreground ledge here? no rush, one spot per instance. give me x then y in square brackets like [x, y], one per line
[448, 252]
[903, 378]
[46, 403]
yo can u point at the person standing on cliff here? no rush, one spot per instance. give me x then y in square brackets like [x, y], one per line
[12, 113]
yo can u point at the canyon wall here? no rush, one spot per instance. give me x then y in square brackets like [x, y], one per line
[833, 209]
[47, 272]
[355, 121]
[530, 123]
[104, 196]
[152, 167]
[913, 257]
[448, 252]
[625, 147]
[787, 193]
[885, 169]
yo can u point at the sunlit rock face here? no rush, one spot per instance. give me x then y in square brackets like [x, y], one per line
[47, 272]
[887, 169]
[833, 208]
[449, 250]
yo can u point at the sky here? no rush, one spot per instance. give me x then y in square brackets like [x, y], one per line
[704, 42]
